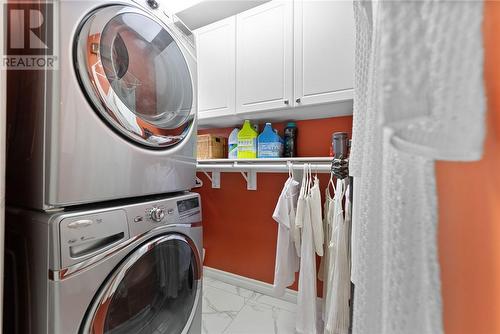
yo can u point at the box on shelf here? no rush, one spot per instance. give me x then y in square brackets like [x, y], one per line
[211, 147]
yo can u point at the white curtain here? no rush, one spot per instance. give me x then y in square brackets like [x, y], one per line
[418, 98]
[2, 158]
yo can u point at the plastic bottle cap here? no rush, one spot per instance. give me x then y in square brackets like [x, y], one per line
[291, 125]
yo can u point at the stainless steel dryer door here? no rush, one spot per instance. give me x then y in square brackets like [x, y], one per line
[134, 72]
[155, 290]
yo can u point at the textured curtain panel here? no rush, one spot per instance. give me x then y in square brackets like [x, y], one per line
[2, 154]
[419, 97]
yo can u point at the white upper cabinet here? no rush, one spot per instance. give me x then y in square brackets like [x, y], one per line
[323, 51]
[264, 57]
[277, 56]
[216, 53]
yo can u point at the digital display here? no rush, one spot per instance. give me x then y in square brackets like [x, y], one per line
[188, 204]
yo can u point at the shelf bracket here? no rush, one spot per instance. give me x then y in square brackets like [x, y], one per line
[214, 178]
[251, 178]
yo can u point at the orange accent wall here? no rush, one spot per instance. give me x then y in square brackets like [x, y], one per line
[239, 233]
[469, 215]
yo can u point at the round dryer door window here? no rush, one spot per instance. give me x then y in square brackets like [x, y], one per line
[155, 290]
[137, 75]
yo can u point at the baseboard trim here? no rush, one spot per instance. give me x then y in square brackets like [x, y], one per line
[248, 283]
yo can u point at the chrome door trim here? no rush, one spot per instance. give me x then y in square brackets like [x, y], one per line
[68, 272]
[108, 290]
[85, 73]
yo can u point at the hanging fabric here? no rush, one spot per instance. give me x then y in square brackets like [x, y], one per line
[301, 210]
[418, 97]
[348, 224]
[306, 299]
[338, 279]
[316, 216]
[328, 220]
[287, 260]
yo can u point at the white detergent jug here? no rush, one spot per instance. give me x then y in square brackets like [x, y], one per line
[232, 142]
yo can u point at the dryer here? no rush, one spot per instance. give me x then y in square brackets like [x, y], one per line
[125, 268]
[115, 119]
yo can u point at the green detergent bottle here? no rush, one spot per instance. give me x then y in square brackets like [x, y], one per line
[247, 142]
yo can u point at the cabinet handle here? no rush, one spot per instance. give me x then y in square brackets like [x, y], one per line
[286, 102]
[298, 100]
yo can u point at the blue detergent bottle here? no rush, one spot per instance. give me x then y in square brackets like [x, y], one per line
[270, 144]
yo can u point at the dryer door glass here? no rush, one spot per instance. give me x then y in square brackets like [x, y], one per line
[136, 75]
[154, 291]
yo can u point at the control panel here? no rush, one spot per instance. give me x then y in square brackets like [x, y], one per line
[182, 209]
[170, 212]
[87, 233]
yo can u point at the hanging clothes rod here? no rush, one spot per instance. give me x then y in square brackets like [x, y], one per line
[261, 168]
[281, 165]
[250, 167]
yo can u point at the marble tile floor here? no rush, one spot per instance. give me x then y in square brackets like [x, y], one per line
[228, 309]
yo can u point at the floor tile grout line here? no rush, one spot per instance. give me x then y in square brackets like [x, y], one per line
[233, 319]
[237, 312]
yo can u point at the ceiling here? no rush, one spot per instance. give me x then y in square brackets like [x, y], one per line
[201, 13]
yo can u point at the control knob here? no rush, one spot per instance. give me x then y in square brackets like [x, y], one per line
[157, 214]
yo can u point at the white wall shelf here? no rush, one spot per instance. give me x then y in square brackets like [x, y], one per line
[250, 167]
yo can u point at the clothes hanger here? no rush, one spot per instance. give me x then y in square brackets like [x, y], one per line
[290, 169]
[305, 180]
[331, 181]
[309, 178]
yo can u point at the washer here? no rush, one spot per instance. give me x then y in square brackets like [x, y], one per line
[116, 119]
[129, 268]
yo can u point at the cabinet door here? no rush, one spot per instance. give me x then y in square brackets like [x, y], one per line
[216, 52]
[264, 66]
[323, 51]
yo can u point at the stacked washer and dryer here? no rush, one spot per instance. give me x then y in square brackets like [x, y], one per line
[103, 235]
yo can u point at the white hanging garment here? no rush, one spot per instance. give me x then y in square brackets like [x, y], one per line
[339, 278]
[327, 222]
[418, 97]
[348, 224]
[301, 212]
[287, 261]
[326, 226]
[316, 217]
[323, 273]
[306, 298]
